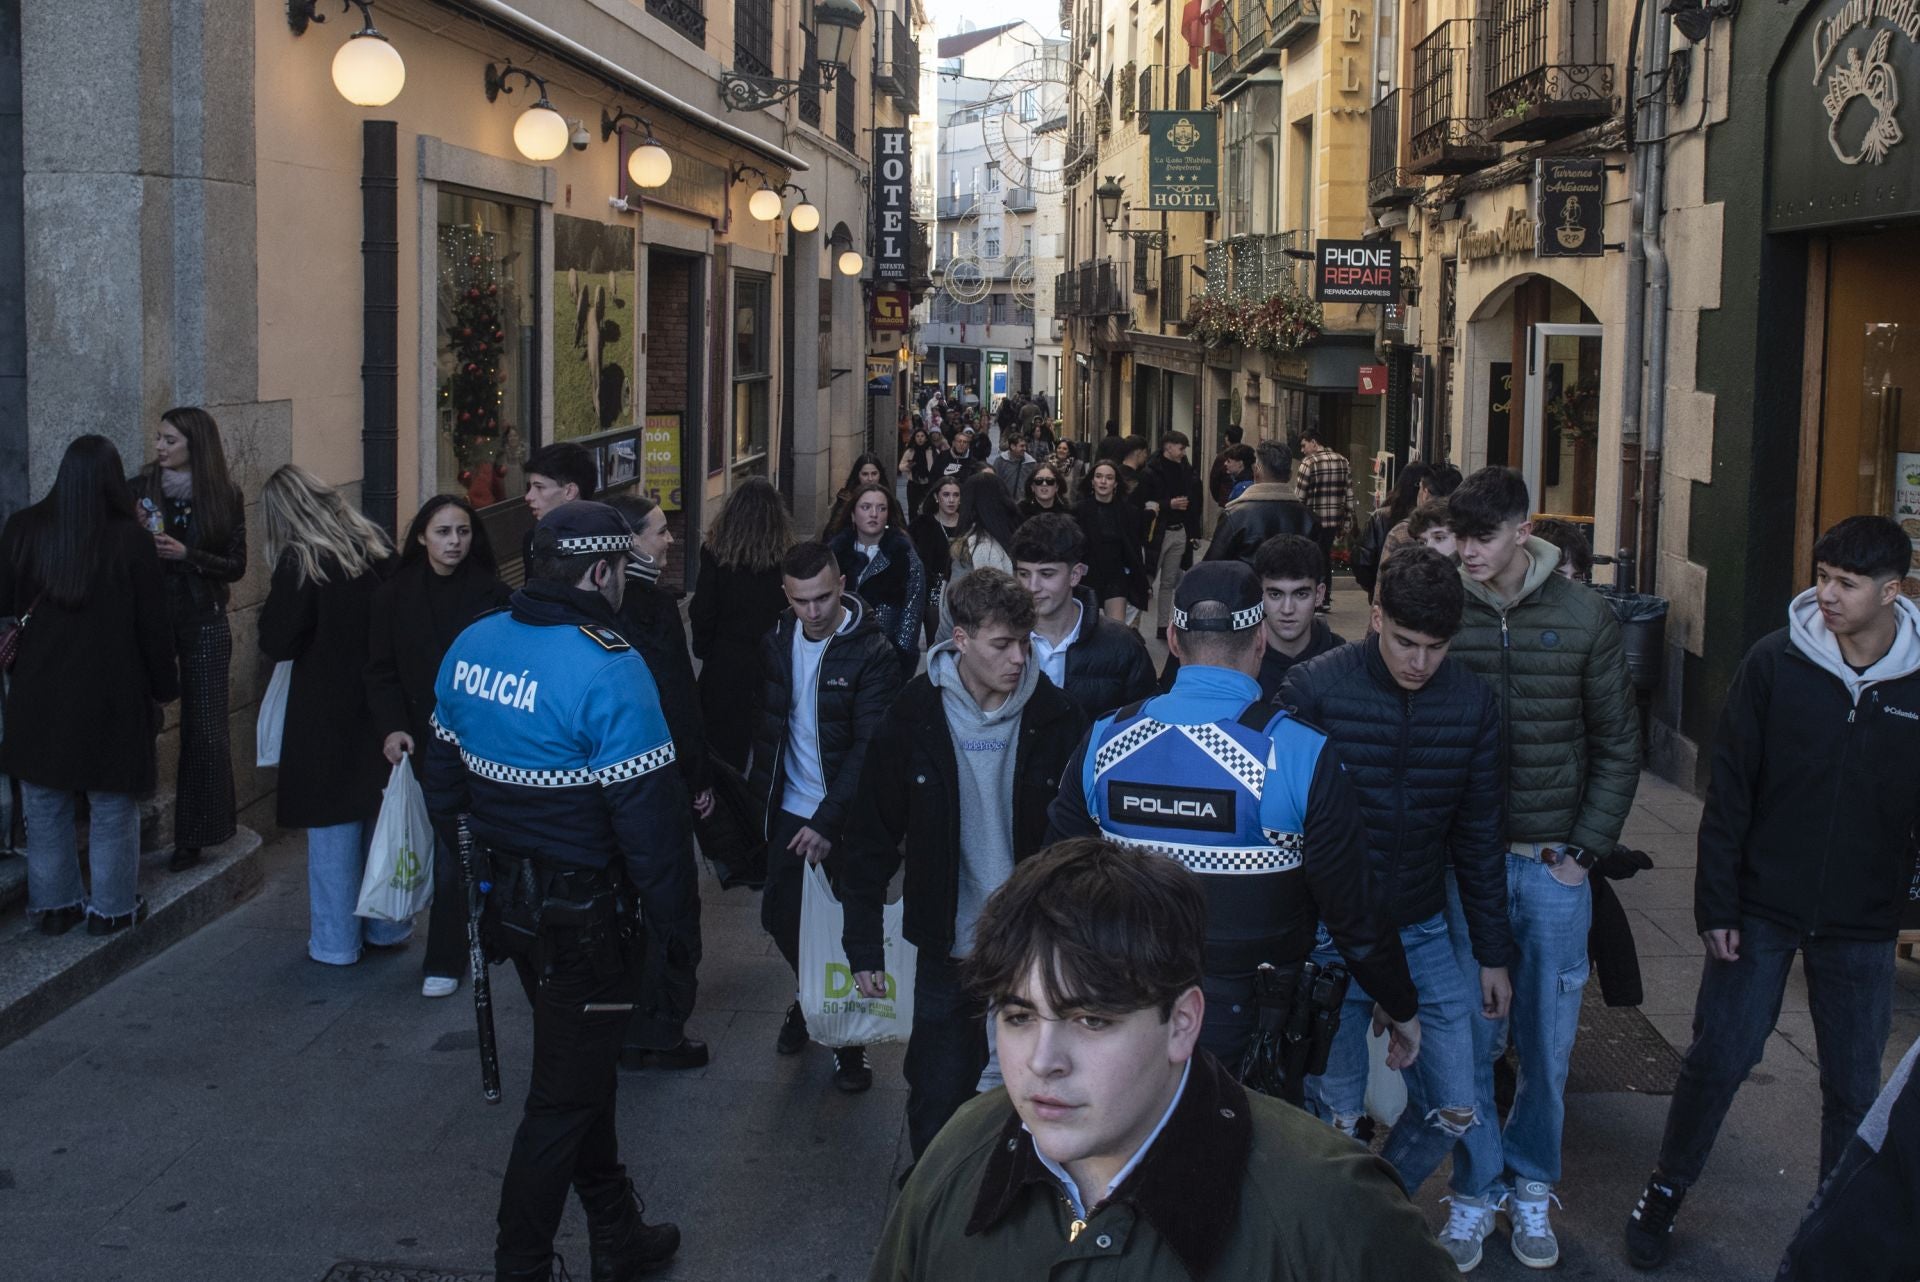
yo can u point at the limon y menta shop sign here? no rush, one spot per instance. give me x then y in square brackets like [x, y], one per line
[1838, 152]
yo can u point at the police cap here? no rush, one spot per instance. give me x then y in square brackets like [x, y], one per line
[582, 528]
[1226, 583]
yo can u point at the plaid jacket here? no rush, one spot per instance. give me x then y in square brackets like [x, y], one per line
[1326, 486]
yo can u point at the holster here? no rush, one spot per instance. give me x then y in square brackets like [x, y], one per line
[528, 905]
[1297, 1013]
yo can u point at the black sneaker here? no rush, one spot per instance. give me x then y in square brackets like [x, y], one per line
[793, 1032]
[100, 925]
[58, 921]
[851, 1072]
[1650, 1227]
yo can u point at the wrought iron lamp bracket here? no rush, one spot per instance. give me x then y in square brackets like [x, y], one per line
[742, 92]
[302, 12]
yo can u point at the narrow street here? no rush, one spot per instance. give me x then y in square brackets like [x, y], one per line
[232, 1111]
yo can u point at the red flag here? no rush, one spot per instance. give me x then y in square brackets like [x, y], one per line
[1217, 28]
[1193, 29]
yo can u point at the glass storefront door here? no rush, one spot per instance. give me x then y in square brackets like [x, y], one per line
[1561, 446]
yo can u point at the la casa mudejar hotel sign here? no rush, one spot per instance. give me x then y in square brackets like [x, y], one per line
[1839, 149]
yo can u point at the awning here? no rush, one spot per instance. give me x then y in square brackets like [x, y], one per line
[538, 33]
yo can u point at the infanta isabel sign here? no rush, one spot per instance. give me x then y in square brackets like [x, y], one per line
[1839, 152]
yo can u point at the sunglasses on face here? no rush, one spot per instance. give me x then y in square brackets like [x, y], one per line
[1044, 480]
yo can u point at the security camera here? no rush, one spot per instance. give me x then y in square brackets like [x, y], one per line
[580, 136]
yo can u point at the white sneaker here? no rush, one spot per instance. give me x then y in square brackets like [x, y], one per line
[1468, 1223]
[439, 986]
[1534, 1244]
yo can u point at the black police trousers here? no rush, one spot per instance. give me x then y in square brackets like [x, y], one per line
[566, 1136]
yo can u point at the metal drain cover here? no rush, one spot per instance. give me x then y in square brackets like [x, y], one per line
[1618, 1050]
[360, 1271]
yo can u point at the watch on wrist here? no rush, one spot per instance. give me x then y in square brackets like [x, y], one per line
[1566, 853]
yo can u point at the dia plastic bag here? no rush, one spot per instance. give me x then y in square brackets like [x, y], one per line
[399, 879]
[273, 716]
[1386, 1088]
[837, 1015]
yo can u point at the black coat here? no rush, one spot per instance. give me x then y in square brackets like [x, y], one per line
[1262, 511]
[910, 799]
[413, 618]
[1115, 564]
[80, 701]
[1107, 665]
[331, 770]
[731, 613]
[197, 584]
[892, 583]
[859, 676]
[650, 621]
[1425, 766]
[1813, 799]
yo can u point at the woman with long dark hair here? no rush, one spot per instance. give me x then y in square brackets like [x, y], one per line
[327, 560]
[1399, 506]
[1046, 492]
[883, 570]
[866, 471]
[736, 602]
[95, 654]
[198, 520]
[446, 580]
[933, 533]
[916, 462]
[1116, 567]
[988, 519]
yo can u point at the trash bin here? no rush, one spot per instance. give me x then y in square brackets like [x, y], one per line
[1643, 632]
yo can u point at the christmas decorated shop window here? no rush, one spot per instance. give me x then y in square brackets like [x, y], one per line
[488, 346]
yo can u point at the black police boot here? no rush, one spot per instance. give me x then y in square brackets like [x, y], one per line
[521, 1269]
[624, 1245]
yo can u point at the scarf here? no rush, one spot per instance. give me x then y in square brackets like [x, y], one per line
[176, 485]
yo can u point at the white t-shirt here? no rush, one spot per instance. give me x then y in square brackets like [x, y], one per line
[806, 773]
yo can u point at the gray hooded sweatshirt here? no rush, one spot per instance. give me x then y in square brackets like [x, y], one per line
[984, 747]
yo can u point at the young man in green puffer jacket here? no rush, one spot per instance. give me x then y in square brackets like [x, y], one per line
[1570, 761]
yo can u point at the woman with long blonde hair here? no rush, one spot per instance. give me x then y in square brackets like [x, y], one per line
[327, 561]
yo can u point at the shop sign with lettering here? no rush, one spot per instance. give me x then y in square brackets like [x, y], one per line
[1515, 236]
[1372, 381]
[1837, 151]
[1183, 160]
[892, 182]
[1356, 271]
[1569, 201]
[890, 310]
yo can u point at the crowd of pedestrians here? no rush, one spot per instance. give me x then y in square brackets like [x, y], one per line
[1129, 889]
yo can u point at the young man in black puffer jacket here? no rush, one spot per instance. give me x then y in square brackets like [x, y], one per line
[1101, 665]
[830, 675]
[1419, 737]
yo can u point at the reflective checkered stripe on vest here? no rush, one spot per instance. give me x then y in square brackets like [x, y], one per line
[1195, 793]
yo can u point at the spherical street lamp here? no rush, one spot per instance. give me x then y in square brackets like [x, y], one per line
[764, 204]
[649, 164]
[368, 71]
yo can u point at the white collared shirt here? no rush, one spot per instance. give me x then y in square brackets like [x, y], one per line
[1053, 659]
[1072, 1190]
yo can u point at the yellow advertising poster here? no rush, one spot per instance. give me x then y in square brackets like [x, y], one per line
[660, 451]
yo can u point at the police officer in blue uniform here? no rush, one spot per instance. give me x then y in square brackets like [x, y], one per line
[549, 738]
[1248, 798]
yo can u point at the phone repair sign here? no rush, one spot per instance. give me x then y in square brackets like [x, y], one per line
[1356, 271]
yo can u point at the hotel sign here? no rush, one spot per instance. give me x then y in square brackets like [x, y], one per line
[1838, 152]
[892, 180]
[1183, 160]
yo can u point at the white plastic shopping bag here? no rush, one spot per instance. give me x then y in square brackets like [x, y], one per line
[1386, 1088]
[837, 1015]
[273, 716]
[399, 879]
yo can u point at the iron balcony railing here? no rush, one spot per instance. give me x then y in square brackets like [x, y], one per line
[1388, 181]
[1099, 290]
[809, 95]
[753, 37]
[684, 16]
[1184, 98]
[958, 206]
[1447, 131]
[1249, 33]
[1293, 20]
[846, 92]
[1066, 294]
[1253, 268]
[896, 69]
[1547, 70]
[1152, 94]
[1019, 199]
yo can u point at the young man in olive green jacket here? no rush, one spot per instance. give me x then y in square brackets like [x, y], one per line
[1551, 650]
[1116, 1144]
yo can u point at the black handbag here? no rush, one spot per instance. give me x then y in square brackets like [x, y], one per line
[10, 636]
[733, 838]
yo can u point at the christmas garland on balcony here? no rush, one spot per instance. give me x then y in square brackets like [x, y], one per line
[1281, 322]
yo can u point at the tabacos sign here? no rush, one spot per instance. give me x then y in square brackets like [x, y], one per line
[1838, 150]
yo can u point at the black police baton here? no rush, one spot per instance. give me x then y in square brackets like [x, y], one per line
[477, 962]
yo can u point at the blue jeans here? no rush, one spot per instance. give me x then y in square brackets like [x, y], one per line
[1850, 995]
[336, 860]
[53, 851]
[1550, 921]
[1442, 1078]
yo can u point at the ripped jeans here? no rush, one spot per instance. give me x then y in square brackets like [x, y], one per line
[1449, 1004]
